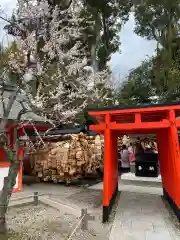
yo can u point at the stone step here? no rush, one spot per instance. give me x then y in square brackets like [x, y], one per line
[131, 179]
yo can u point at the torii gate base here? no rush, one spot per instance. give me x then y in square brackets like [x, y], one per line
[158, 119]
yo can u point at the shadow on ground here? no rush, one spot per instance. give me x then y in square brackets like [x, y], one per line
[92, 198]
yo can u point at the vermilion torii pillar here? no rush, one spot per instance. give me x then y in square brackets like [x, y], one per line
[160, 120]
[111, 169]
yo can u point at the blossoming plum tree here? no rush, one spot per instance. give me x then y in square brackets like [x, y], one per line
[56, 44]
[51, 69]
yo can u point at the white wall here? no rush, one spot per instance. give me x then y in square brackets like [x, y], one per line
[4, 173]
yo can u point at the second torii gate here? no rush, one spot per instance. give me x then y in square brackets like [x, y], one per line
[158, 119]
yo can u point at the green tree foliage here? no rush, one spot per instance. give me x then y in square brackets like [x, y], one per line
[159, 76]
[138, 88]
[147, 81]
[109, 17]
[157, 20]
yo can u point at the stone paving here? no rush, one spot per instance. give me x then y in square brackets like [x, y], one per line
[141, 213]
[141, 217]
[132, 177]
[127, 185]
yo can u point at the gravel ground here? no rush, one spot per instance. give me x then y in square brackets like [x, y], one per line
[38, 222]
[46, 223]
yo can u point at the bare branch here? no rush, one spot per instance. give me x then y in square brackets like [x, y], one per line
[6, 20]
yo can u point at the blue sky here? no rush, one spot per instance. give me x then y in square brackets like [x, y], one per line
[133, 48]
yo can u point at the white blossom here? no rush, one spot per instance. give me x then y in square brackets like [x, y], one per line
[28, 76]
[66, 84]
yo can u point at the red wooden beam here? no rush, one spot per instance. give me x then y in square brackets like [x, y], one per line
[38, 127]
[134, 110]
[98, 128]
[141, 126]
[138, 118]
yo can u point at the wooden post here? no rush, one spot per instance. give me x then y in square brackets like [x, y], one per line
[36, 198]
[84, 225]
[86, 218]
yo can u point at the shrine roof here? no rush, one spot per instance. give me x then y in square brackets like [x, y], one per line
[114, 108]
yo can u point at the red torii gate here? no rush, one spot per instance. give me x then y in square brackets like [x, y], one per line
[158, 119]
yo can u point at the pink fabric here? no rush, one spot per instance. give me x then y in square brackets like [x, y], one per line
[131, 154]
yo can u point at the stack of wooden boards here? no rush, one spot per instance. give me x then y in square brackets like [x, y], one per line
[145, 141]
[70, 157]
[73, 157]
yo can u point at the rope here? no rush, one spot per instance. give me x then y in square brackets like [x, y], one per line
[78, 224]
[37, 134]
[22, 126]
[59, 203]
[25, 197]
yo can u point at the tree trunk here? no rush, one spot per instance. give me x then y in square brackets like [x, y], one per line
[9, 183]
[95, 43]
[10, 180]
[93, 56]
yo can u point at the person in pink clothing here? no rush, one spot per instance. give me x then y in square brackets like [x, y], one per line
[131, 153]
[125, 164]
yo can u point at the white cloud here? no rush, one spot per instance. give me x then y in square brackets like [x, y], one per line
[133, 48]
[6, 7]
